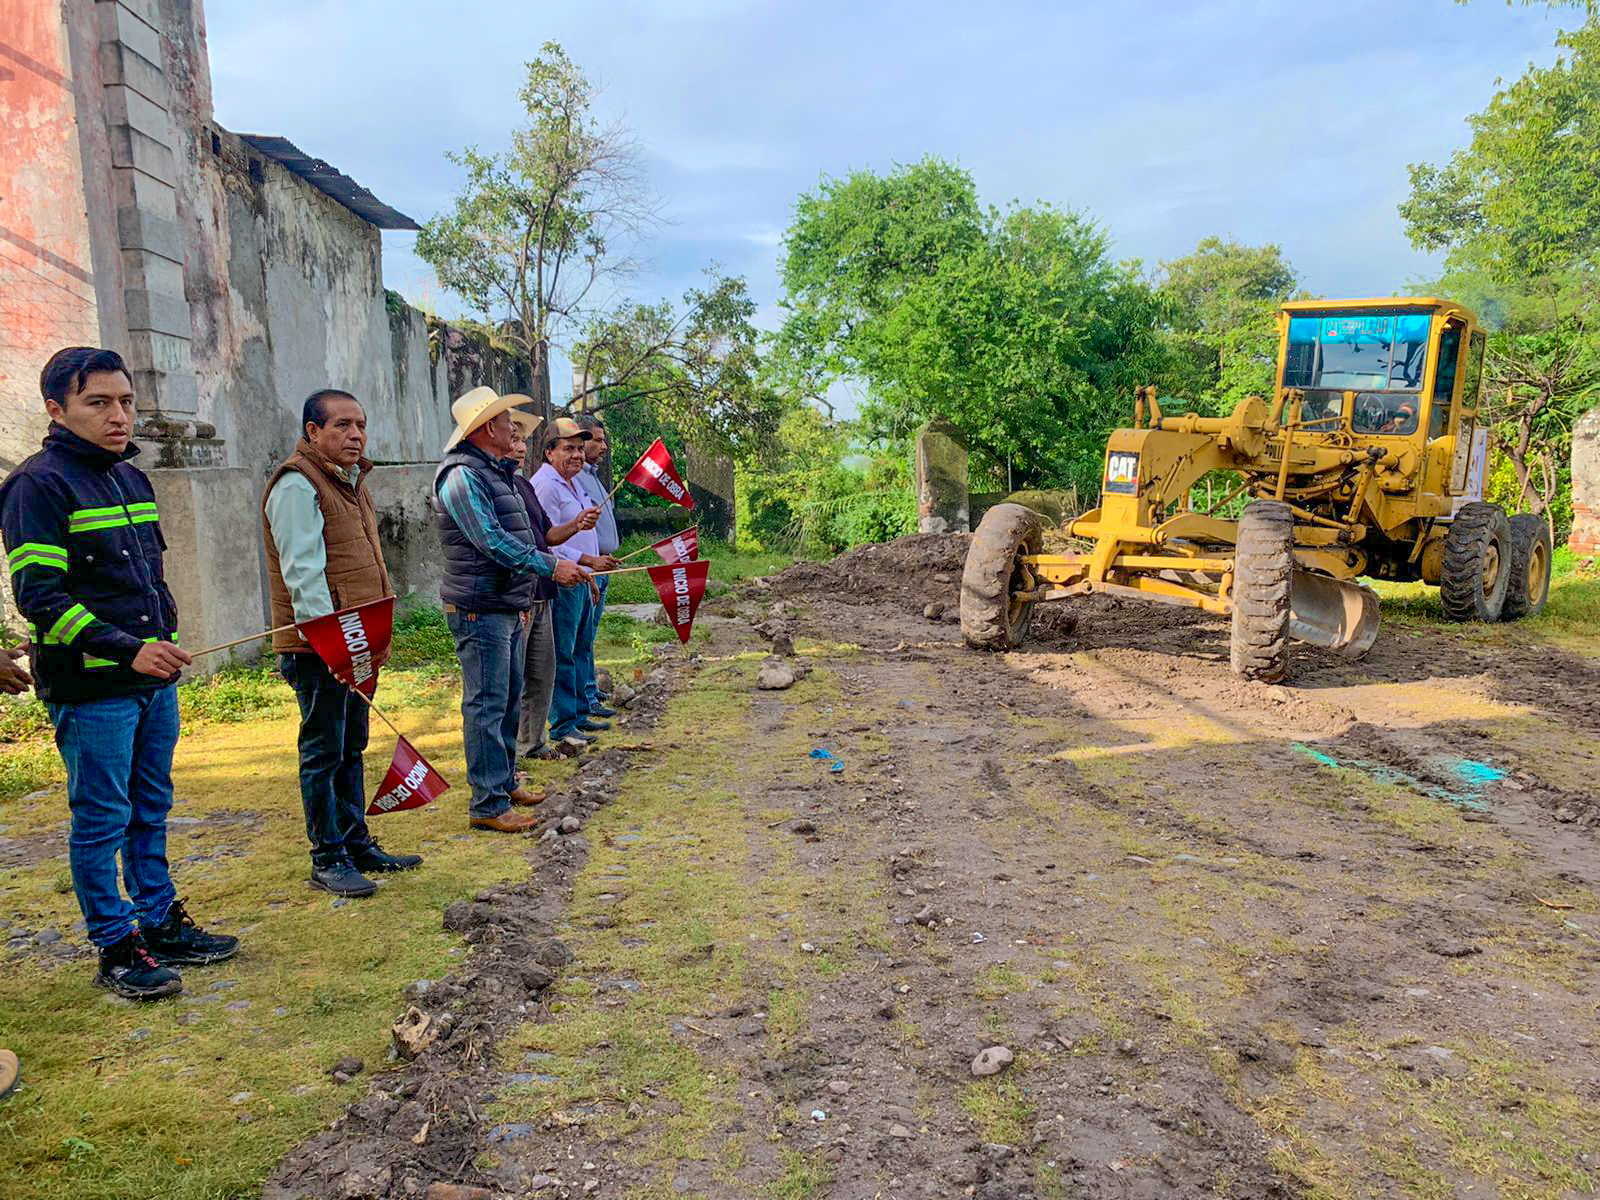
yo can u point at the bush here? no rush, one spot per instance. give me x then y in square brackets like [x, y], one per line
[422, 641]
[232, 694]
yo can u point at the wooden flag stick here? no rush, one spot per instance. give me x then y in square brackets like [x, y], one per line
[383, 716]
[652, 545]
[619, 571]
[254, 637]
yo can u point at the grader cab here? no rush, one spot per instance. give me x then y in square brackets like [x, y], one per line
[1366, 462]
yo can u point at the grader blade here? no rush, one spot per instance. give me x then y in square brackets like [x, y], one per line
[1330, 613]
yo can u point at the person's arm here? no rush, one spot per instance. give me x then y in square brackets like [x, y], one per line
[295, 520]
[14, 677]
[35, 530]
[470, 507]
[557, 534]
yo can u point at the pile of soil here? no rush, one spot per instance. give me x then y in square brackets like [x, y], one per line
[915, 570]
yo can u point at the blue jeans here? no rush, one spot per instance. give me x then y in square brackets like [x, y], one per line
[491, 647]
[118, 753]
[572, 621]
[590, 691]
[333, 734]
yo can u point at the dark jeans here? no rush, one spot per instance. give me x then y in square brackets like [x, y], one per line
[572, 620]
[591, 691]
[333, 734]
[118, 753]
[491, 647]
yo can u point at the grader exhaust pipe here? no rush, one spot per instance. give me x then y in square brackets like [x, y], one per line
[1332, 614]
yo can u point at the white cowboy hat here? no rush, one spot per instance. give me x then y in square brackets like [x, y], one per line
[480, 405]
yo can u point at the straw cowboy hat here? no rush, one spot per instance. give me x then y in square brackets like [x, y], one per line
[481, 405]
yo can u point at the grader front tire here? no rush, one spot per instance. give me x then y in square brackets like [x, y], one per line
[990, 620]
[1263, 567]
[1477, 563]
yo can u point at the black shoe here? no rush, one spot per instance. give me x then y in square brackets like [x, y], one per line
[588, 726]
[600, 710]
[127, 969]
[373, 857]
[179, 940]
[544, 753]
[342, 879]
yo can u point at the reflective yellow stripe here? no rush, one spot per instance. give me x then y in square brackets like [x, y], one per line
[37, 554]
[68, 625]
[92, 663]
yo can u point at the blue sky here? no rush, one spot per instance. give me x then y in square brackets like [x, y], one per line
[1282, 121]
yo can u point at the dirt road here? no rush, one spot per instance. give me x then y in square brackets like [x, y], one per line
[1336, 939]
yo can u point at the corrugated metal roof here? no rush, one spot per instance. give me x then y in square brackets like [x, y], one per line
[329, 180]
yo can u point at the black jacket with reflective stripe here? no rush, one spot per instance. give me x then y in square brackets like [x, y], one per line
[83, 545]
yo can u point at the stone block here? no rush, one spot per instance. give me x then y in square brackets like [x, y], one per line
[153, 272]
[134, 189]
[403, 497]
[1585, 537]
[138, 229]
[943, 503]
[158, 311]
[121, 23]
[210, 518]
[138, 151]
[124, 106]
[121, 64]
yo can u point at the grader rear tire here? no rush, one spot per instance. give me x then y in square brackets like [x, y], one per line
[1528, 566]
[990, 620]
[1477, 563]
[1263, 566]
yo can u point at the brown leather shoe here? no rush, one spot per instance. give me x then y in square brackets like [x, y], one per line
[8, 1072]
[506, 822]
[521, 795]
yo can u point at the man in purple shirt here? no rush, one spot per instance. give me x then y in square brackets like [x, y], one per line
[572, 610]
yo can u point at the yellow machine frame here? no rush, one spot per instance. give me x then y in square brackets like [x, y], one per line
[1363, 503]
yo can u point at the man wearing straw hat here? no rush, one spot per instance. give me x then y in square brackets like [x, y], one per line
[491, 562]
[323, 555]
[84, 547]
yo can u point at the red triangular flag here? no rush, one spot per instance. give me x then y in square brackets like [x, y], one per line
[655, 473]
[681, 587]
[410, 782]
[681, 547]
[354, 642]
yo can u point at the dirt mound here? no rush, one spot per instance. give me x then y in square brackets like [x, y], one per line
[917, 569]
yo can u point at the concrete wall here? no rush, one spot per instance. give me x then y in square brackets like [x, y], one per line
[47, 287]
[233, 287]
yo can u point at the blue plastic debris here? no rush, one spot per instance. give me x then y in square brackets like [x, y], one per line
[837, 766]
[819, 752]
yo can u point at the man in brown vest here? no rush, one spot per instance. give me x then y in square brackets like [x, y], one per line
[323, 556]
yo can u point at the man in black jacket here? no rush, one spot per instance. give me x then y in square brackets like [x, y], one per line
[83, 543]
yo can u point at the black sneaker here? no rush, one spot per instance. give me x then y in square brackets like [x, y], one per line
[588, 726]
[179, 940]
[374, 857]
[600, 710]
[127, 969]
[342, 879]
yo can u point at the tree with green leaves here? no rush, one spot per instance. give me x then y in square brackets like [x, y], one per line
[1221, 303]
[1015, 324]
[535, 229]
[697, 367]
[1517, 214]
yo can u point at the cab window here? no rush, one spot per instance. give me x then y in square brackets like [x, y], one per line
[1444, 381]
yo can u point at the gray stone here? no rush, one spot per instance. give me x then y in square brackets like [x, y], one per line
[943, 502]
[570, 825]
[775, 676]
[46, 937]
[992, 1061]
[899, 1131]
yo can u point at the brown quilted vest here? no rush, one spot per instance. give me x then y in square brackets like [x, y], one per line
[355, 571]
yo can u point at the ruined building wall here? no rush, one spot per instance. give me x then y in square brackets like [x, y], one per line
[233, 288]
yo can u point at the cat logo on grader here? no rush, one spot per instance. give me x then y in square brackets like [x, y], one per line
[1360, 465]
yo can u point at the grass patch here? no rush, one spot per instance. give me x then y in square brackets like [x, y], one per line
[804, 1176]
[124, 1102]
[1571, 618]
[1001, 1110]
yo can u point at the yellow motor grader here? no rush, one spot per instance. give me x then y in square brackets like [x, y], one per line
[1366, 461]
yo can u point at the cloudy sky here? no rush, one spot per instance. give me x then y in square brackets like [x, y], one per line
[1271, 120]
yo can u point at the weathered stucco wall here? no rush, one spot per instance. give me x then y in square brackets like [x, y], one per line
[233, 287]
[47, 289]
